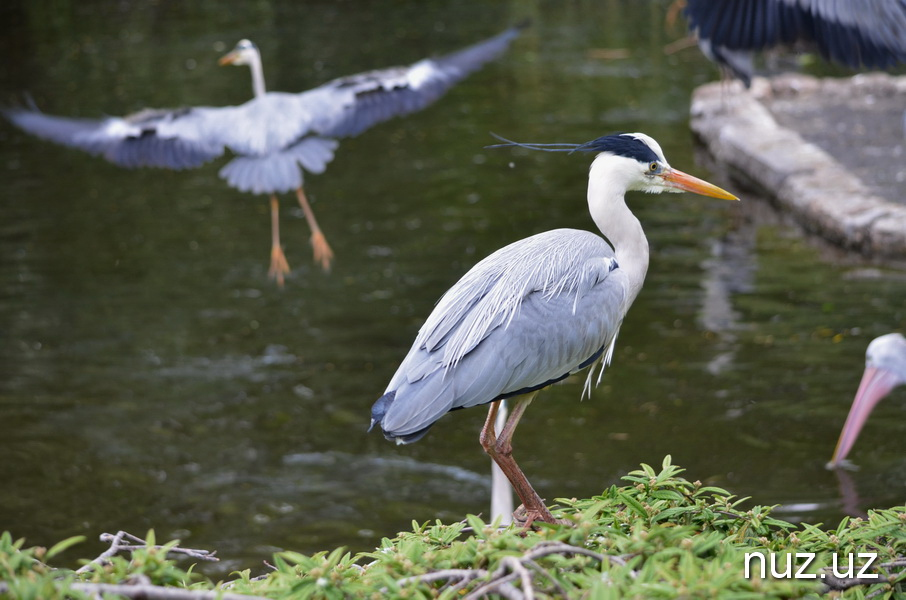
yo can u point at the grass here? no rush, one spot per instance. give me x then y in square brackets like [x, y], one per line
[657, 536]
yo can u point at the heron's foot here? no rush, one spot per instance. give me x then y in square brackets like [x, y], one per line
[323, 253]
[279, 267]
[526, 518]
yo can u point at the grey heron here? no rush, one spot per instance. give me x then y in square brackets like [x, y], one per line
[885, 368]
[275, 136]
[854, 33]
[535, 311]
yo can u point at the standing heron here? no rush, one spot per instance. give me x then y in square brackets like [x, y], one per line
[535, 311]
[885, 369]
[275, 136]
[854, 33]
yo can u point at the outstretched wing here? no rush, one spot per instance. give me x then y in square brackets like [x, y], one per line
[265, 126]
[869, 32]
[133, 141]
[349, 105]
[523, 318]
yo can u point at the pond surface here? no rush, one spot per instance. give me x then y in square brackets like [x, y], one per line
[152, 377]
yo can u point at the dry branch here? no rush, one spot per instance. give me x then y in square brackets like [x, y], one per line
[512, 569]
[118, 545]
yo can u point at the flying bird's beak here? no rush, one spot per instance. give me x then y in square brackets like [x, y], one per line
[684, 181]
[228, 59]
[876, 383]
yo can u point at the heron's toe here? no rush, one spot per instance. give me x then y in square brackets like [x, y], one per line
[279, 267]
[526, 518]
[323, 255]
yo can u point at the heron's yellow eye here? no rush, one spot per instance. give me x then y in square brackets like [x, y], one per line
[653, 167]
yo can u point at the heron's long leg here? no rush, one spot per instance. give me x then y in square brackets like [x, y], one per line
[322, 251]
[279, 266]
[500, 449]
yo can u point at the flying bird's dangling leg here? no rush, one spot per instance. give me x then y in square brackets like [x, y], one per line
[322, 251]
[279, 266]
[500, 449]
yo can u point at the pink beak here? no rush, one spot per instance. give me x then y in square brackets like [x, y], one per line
[876, 383]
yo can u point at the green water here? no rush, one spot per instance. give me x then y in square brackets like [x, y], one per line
[151, 375]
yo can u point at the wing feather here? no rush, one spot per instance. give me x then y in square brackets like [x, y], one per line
[526, 316]
[361, 101]
[867, 33]
[274, 126]
[133, 141]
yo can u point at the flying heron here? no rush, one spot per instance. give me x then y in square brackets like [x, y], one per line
[854, 33]
[885, 369]
[535, 311]
[275, 136]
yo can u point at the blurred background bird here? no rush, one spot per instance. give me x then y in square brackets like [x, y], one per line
[885, 369]
[276, 136]
[860, 34]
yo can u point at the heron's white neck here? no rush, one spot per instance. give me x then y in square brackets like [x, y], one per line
[607, 184]
[257, 74]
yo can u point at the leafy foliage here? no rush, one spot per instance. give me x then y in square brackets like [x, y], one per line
[659, 536]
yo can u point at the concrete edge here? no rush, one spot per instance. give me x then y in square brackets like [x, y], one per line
[823, 196]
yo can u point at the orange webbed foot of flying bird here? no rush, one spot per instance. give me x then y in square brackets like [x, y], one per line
[323, 255]
[279, 267]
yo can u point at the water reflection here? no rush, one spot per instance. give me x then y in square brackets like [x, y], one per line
[150, 376]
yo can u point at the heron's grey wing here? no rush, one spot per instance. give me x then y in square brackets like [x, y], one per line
[347, 106]
[173, 139]
[521, 319]
[868, 33]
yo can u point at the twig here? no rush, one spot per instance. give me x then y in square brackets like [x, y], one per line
[154, 592]
[546, 548]
[680, 44]
[834, 583]
[137, 543]
[148, 592]
[875, 593]
[494, 584]
[537, 568]
[509, 592]
[516, 566]
[461, 575]
[511, 570]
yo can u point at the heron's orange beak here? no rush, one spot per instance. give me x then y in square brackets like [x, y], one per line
[876, 383]
[688, 183]
[228, 59]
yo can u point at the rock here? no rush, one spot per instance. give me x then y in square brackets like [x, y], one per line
[830, 151]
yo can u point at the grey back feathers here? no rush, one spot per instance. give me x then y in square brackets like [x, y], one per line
[522, 318]
[274, 135]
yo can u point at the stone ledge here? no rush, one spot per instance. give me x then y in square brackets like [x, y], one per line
[739, 130]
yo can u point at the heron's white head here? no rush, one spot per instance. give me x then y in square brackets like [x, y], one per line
[635, 162]
[631, 161]
[245, 53]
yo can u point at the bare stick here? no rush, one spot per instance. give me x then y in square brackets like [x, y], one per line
[461, 575]
[149, 592]
[117, 545]
[511, 569]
